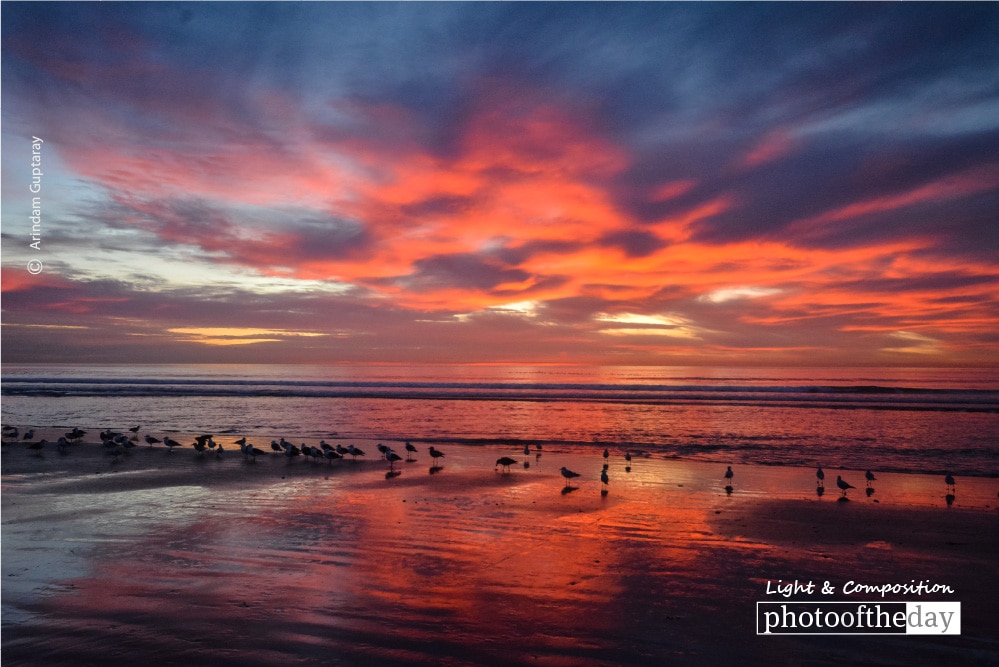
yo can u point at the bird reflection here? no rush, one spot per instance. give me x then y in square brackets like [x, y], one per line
[729, 489]
[435, 469]
[950, 499]
[392, 473]
[566, 490]
[820, 491]
[869, 491]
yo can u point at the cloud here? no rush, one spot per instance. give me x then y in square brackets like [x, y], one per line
[788, 182]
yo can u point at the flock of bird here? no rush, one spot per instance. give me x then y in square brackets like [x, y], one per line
[118, 443]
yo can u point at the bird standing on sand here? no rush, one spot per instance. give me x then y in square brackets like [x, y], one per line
[170, 443]
[354, 452]
[606, 453]
[604, 478]
[729, 474]
[568, 474]
[410, 450]
[869, 476]
[29, 435]
[392, 457]
[150, 440]
[820, 476]
[949, 479]
[506, 462]
[843, 485]
[435, 454]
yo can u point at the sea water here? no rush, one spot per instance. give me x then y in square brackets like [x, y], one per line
[923, 420]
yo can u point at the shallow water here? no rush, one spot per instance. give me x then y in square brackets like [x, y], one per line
[902, 420]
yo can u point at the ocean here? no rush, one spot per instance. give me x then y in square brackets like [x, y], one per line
[920, 420]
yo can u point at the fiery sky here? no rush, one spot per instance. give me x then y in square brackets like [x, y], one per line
[636, 183]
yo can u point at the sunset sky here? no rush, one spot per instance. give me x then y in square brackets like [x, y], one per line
[641, 183]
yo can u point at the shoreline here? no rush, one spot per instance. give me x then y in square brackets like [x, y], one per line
[170, 556]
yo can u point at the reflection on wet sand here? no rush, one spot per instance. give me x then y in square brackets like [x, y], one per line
[284, 561]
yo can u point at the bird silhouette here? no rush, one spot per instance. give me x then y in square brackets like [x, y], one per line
[392, 457]
[820, 476]
[410, 450]
[949, 479]
[435, 454]
[568, 474]
[869, 476]
[843, 485]
[506, 462]
[150, 440]
[729, 474]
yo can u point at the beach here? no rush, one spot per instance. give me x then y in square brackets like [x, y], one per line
[180, 558]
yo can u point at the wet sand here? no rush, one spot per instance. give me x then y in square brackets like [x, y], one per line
[174, 558]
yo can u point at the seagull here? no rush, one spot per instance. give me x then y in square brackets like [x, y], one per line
[392, 457]
[606, 453]
[435, 454]
[506, 462]
[604, 478]
[253, 452]
[29, 435]
[820, 476]
[729, 474]
[949, 479]
[410, 450]
[62, 445]
[150, 440]
[292, 451]
[354, 451]
[330, 455]
[276, 447]
[568, 474]
[382, 449]
[870, 477]
[627, 456]
[843, 485]
[170, 443]
[242, 441]
[135, 432]
[527, 450]
[37, 447]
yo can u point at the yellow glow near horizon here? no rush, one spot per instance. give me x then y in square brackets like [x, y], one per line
[236, 335]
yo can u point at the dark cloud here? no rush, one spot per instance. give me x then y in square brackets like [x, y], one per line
[634, 243]
[463, 271]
